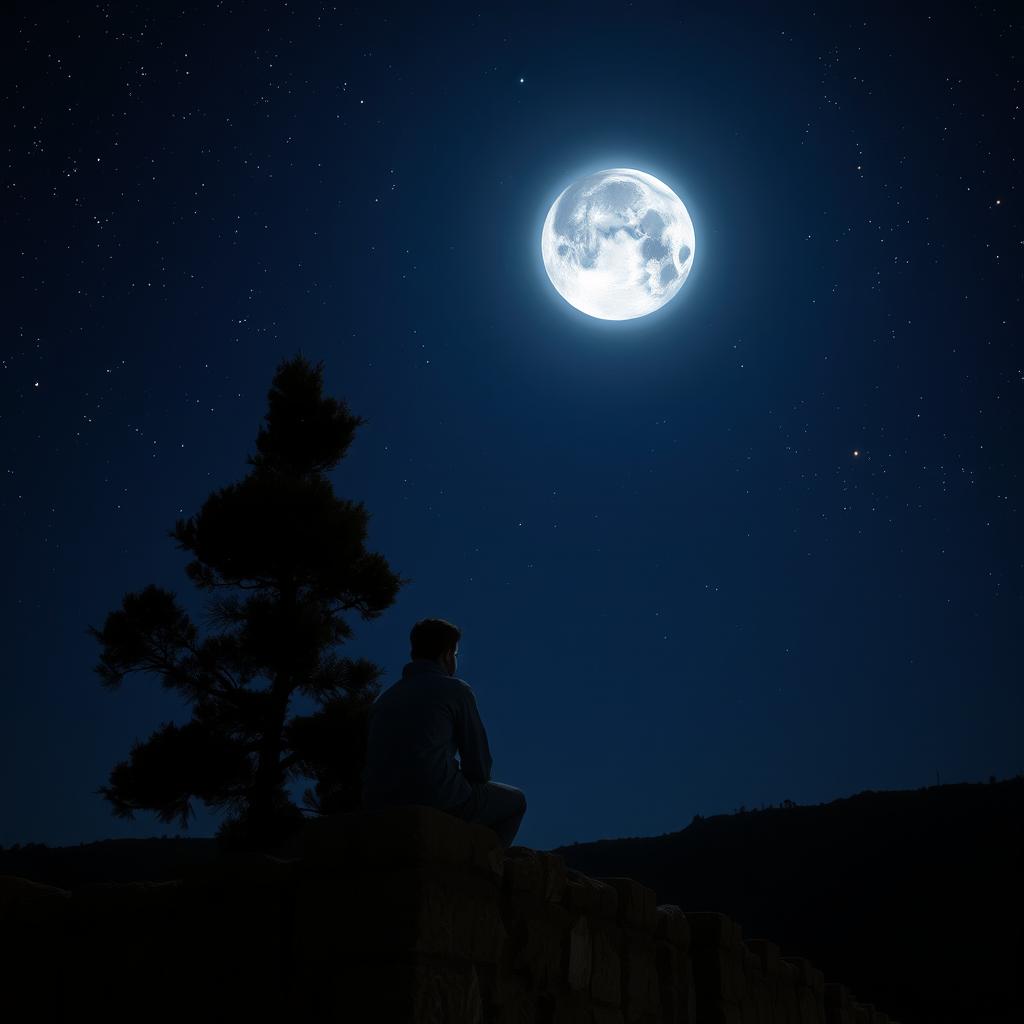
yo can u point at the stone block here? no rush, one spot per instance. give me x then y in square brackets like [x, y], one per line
[671, 924]
[488, 855]
[811, 1008]
[587, 895]
[837, 996]
[606, 969]
[393, 992]
[748, 1006]
[717, 974]
[807, 974]
[716, 954]
[540, 957]
[838, 1015]
[668, 962]
[423, 909]
[721, 1013]
[553, 872]
[786, 1002]
[494, 981]
[636, 903]
[500, 984]
[397, 836]
[536, 950]
[537, 872]
[712, 927]
[761, 990]
[522, 871]
[691, 992]
[571, 1008]
[518, 1008]
[818, 983]
[580, 956]
[756, 1000]
[810, 990]
[751, 964]
[768, 953]
[672, 1005]
[640, 1001]
[478, 930]
[675, 982]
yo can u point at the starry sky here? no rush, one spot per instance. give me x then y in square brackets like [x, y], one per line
[763, 544]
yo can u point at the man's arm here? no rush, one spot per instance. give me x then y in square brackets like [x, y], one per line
[474, 753]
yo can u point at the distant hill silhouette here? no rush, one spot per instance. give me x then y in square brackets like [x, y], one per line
[912, 898]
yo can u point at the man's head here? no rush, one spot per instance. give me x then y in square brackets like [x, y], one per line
[436, 639]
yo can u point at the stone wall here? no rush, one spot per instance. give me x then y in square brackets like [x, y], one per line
[402, 915]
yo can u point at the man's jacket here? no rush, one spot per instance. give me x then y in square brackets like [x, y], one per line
[416, 726]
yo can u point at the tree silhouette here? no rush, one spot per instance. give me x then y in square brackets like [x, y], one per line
[282, 535]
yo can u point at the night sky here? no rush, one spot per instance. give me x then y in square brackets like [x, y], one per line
[762, 544]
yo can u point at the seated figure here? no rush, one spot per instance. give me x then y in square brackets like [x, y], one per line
[416, 726]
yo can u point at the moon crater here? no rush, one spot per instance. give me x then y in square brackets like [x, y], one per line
[617, 244]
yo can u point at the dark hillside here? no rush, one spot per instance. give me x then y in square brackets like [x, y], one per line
[911, 898]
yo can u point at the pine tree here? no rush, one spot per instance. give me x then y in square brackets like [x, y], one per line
[282, 536]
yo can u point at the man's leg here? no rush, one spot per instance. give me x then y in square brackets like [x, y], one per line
[498, 806]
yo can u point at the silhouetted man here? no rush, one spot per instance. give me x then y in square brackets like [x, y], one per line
[416, 726]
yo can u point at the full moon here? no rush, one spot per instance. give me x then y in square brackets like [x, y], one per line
[617, 244]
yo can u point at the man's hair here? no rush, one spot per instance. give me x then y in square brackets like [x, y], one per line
[431, 638]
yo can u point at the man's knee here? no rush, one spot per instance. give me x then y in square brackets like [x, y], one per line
[512, 800]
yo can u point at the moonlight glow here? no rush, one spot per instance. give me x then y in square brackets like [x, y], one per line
[617, 244]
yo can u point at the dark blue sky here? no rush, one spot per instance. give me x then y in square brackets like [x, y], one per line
[680, 590]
